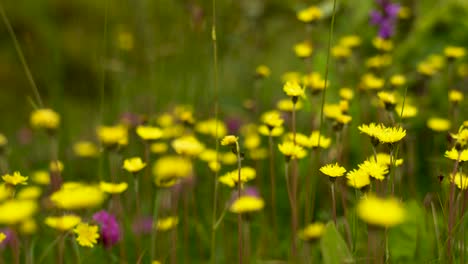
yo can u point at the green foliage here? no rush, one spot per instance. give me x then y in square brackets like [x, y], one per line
[333, 247]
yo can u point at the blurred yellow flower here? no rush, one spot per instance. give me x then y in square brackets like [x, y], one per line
[28, 226]
[85, 149]
[358, 178]
[272, 119]
[262, 71]
[5, 192]
[293, 89]
[149, 132]
[15, 211]
[388, 99]
[438, 124]
[301, 139]
[460, 180]
[113, 188]
[382, 212]
[29, 193]
[3, 140]
[211, 127]
[455, 96]
[229, 140]
[454, 52]
[133, 165]
[303, 49]
[371, 82]
[62, 223]
[113, 135]
[41, 177]
[312, 231]
[169, 170]
[408, 111]
[231, 178]
[87, 234]
[346, 93]
[291, 150]
[187, 145]
[167, 223]
[2, 237]
[315, 82]
[247, 204]
[15, 179]
[291, 77]
[158, 148]
[382, 44]
[56, 166]
[252, 141]
[324, 141]
[286, 105]
[45, 118]
[379, 61]
[385, 159]
[77, 196]
[125, 40]
[309, 14]
[275, 132]
[341, 52]
[350, 41]
[228, 158]
[398, 80]
[404, 12]
[333, 170]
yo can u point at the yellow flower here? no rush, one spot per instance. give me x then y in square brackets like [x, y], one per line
[309, 15]
[343, 119]
[2, 237]
[158, 147]
[358, 178]
[247, 204]
[41, 177]
[56, 166]
[187, 145]
[5, 192]
[287, 105]
[438, 124]
[232, 178]
[262, 71]
[77, 196]
[209, 127]
[149, 132]
[156, 262]
[15, 179]
[453, 154]
[312, 231]
[332, 111]
[169, 170]
[28, 227]
[460, 180]
[252, 141]
[333, 170]
[29, 193]
[427, 69]
[398, 80]
[383, 212]
[258, 153]
[62, 223]
[341, 52]
[165, 120]
[455, 96]
[454, 52]
[303, 49]
[376, 170]
[301, 139]
[214, 166]
[229, 140]
[382, 44]
[228, 158]
[291, 77]
[85, 149]
[350, 41]
[408, 111]
[45, 118]
[371, 82]
[388, 99]
[113, 135]
[291, 150]
[15, 211]
[272, 119]
[167, 223]
[324, 141]
[87, 234]
[275, 132]
[293, 89]
[133, 165]
[371, 130]
[390, 135]
[385, 159]
[3, 141]
[315, 82]
[379, 61]
[113, 188]
[462, 136]
[346, 93]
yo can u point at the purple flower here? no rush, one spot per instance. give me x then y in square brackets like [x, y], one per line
[109, 228]
[142, 225]
[385, 17]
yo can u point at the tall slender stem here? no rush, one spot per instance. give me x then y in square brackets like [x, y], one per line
[451, 213]
[273, 184]
[333, 201]
[239, 192]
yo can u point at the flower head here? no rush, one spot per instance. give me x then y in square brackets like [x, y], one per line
[460, 180]
[211, 127]
[87, 234]
[390, 135]
[85, 149]
[312, 231]
[303, 49]
[454, 52]
[229, 140]
[382, 212]
[169, 170]
[438, 124]
[398, 80]
[454, 154]
[113, 135]
[2, 237]
[262, 71]
[309, 14]
[286, 105]
[15, 211]
[45, 118]
[187, 145]
[333, 170]
[376, 170]
[272, 119]
[247, 204]
[291, 150]
[15, 179]
[293, 89]
[455, 96]
[63, 223]
[358, 178]
[149, 132]
[134, 164]
[167, 223]
[77, 196]
[232, 178]
[109, 228]
[113, 188]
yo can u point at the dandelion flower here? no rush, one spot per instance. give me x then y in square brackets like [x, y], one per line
[15, 179]
[45, 118]
[312, 231]
[87, 234]
[275, 132]
[232, 178]
[158, 148]
[382, 44]
[77, 196]
[346, 93]
[291, 150]
[382, 212]
[187, 145]
[385, 159]
[63, 223]
[2, 237]
[272, 119]
[113, 135]
[29, 193]
[167, 223]
[462, 136]
[229, 140]
[390, 135]
[455, 96]
[211, 127]
[149, 132]
[454, 52]
[376, 170]
[408, 111]
[333, 170]
[85, 149]
[113, 188]
[371, 82]
[287, 105]
[293, 89]
[247, 204]
[398, 80]
[134, 164]
[314, 139]
[371, 130]
[303, 49]
[41, 177]
[262, 71]
[350, 41]
[388, 99]
[169, 170]
[15, 211]
[358, 178]
[309, 14]
[453, 154]
[341, 52]
[438, 124]
[460, 180]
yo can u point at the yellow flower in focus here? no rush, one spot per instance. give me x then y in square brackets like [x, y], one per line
[77, 196]
[41, 177]
[45, 118]
[312, 231]
[454, 52]
[62, 223]
[303, 49]
[333, 170]
[85, 149]
[462, 136]
[247, 204]
[398, 80]
[262, 71]
[382, 44]
[382, 212]
[15, 211]
[209, 127]
[133, 165]
[158, 148]
[187, 145]
[346, 93]
[113, 188]
[28, 227]
[29, 193]
[15, 179]
[149, 132]
[229, 140]
[358, 178]
[372, 130]
[350, 41]
[455, 96]
[453, 154]
[87, 234]
[438, 124]
[309, 15]
[167, 223]
[287, 105]
[324, 141]
[291, 150]
[376, 170]
[231, 178]
[2, 237]
[169, 170]
[293, 89]
[113, 135]
[390, 135]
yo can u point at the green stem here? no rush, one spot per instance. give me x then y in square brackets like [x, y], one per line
[155, 220]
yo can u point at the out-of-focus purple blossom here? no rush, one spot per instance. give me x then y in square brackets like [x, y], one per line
[233, 125]
[385, 17]
[142, 225]
[109, 228]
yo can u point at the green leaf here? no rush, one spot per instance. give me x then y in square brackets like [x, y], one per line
[333, 247]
